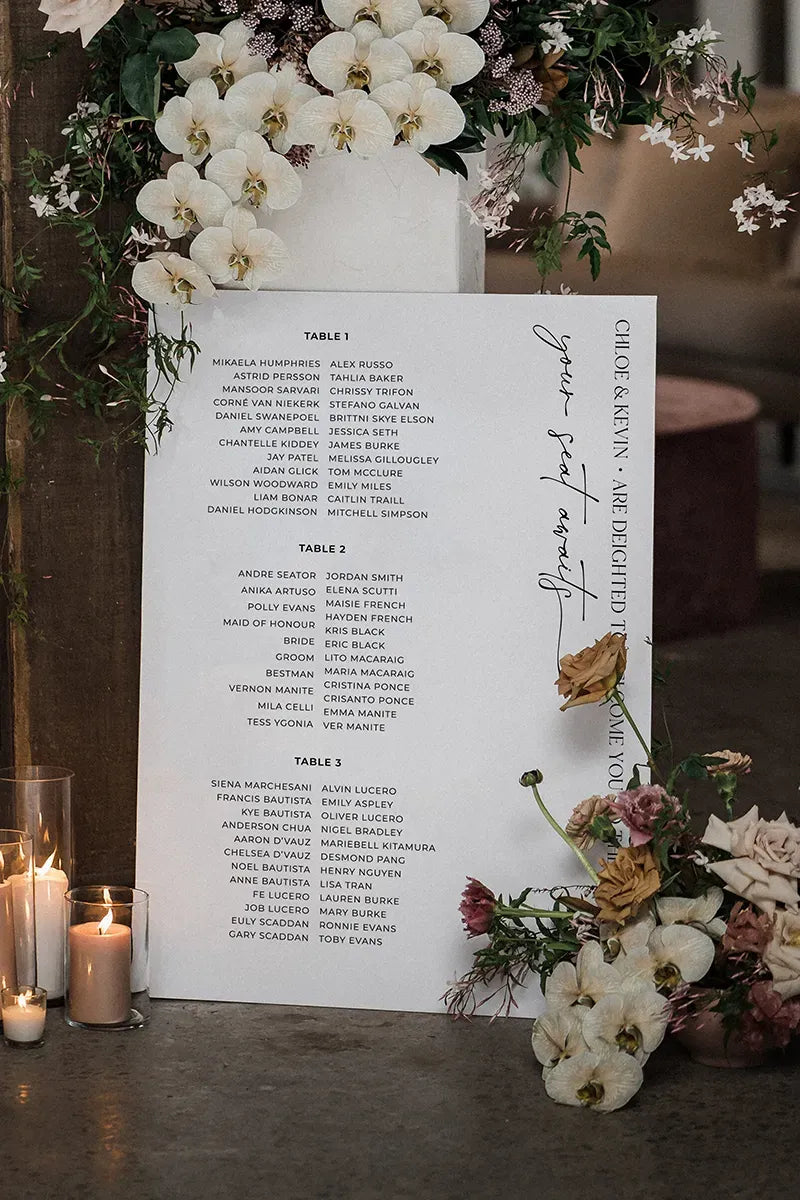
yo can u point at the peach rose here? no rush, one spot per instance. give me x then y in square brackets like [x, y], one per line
[626, 883]
[579, 826]
[591, 675]
[86, 16]
[782, 954]
[733, 763]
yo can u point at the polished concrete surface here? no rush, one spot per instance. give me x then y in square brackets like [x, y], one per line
[214, 1101]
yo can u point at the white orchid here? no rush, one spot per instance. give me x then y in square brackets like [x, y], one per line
[421, 113]
[633, 1020]
[252, 174]
[166, 278]
[584, 982]
[239, 253]
[449, 58]
[392, 16]
[197, 124]
[699, 911]
[622, 939]
[267, 103]
[182, 200]
[461, 16]
[360, 58]
[222, 57]
[604, 1081]
[557, 1035]
[350, 121]
[674, 954]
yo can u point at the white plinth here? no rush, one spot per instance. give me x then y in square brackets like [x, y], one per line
[386, 224]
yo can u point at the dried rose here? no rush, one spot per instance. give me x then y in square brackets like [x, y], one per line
[747, 931]
[782, 954]
[477, 907]
[734, 764]
[591, 675]
[579, 826]
[765, 863]
[641, 808]
[84, 16]
[626, 883]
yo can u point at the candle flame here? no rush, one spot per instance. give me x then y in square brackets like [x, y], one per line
[103, 927]
[2, 861]
[47, 864]
[22, 1000]
[107, 897]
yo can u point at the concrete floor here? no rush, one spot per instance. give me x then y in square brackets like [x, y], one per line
[216, 1101]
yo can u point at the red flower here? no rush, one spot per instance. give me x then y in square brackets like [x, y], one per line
[748, 932]
[477, 907]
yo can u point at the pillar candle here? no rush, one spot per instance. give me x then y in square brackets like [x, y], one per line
[99, 973]
[50, 887]
[8, 950]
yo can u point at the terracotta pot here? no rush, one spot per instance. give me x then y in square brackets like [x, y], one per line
[704, 1037]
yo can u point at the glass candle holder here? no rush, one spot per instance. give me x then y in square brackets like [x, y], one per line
[39, 799]
[17, 920]
[24, 1011]
[107, 957]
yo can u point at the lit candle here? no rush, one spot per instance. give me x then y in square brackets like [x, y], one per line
[100, 972]
[24, 1015]
[50, 886]
[8, 949]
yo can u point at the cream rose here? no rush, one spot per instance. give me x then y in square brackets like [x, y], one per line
[85, 16]
[765, 863]
[782, 954]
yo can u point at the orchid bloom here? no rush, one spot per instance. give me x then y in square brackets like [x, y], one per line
[196, 124]
[239, 253]
[604, 1080]
[449, 58]
[252, 174]
[557, 1035]
[674, 954]
[633, 1020]
[422, 114]
[699, 911]
[391, 16]
[166, 278]
[267, 102]
[182, 200]
[583, 982]
[350, 121]
[460, 16]
[360, 58]
[222, 57]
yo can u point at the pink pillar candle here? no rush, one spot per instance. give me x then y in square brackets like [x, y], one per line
[99, 973]
[8, 949]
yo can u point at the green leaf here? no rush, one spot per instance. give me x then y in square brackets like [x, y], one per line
[447, 160]
[140, 81]
[173, 45]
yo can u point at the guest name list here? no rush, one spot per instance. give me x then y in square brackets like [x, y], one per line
[375, 526]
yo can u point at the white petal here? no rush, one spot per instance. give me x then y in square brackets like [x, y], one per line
[557, 1035]
[619, 1076]
[228, 170]
[241, 223]
[443, 117]
[205, 59]
[465, 15]
[270, 256]
[312, 125]
[330, 60]
[397, 97]
[209, 202]
[212, 250]
[688, 949]
[395, 15]
[561, 990]
[387, 61]
[373, 130]
[235, 36]
[174, 123]
[461, 57]
[156, 203]
[248, 99]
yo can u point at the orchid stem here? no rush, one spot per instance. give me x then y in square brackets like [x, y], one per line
[648, 752]
[548, 816]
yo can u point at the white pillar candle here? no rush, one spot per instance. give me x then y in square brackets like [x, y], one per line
[50, 886]
[23, 1022]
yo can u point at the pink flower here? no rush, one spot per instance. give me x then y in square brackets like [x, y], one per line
[477, 907]
[642, 807]
[748, 932]
[770, 1022]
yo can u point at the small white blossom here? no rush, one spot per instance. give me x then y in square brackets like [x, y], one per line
[556, 40]
[677, 151]
[656, 134]
[359, 58]
[598, 123]
[60, 175]
[67, 200]
[3, 366]
[222, 56]
[42, 207]
[702, 151]
[449, 58]
[743, 146]
[749, 225]
[719, 118]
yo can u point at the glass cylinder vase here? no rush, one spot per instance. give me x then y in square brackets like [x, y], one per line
[107, 957]
[39, 799]
[17, 921]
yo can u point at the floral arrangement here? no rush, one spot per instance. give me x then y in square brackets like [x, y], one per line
[674, 930]
[199, 117]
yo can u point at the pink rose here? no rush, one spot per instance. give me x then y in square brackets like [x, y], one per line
[765, 863]
[477, 907]
[642, 807]
[747, 932]
[88, 16]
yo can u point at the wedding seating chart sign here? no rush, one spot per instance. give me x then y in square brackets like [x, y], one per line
[378, 522]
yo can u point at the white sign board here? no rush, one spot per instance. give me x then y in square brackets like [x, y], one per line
[377, 523]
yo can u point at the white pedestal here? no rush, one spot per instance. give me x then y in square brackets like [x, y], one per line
[386, 224]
